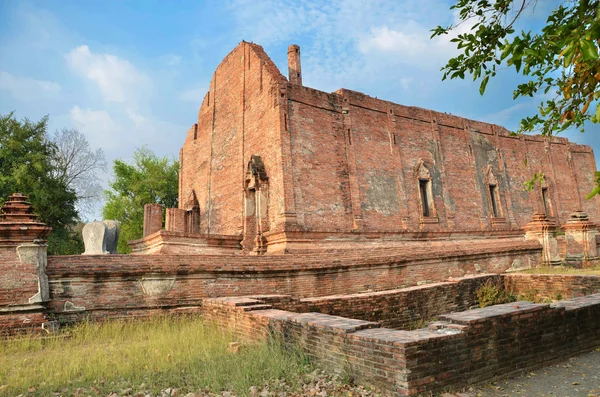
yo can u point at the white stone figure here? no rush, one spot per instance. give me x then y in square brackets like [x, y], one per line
[101, 238]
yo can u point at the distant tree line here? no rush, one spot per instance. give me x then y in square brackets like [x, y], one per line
[60, 174]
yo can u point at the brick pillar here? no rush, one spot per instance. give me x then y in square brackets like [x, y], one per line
[23, 258]
[543, 230]
[580, 237]
[294, 68]
[152, 218]
[175, 220]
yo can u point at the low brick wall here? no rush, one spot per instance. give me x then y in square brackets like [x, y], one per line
[552, 286]
[460, 349]
[405, 308]
[121, 285]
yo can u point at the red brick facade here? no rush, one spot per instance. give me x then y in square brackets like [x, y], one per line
[344, 165]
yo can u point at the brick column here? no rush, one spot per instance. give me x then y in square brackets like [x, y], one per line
[152, 218]
[580, 237]
[23, 257]
[175, 220]
[543, 230]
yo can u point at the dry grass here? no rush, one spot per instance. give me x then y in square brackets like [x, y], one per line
[595, 271]
[147, 355]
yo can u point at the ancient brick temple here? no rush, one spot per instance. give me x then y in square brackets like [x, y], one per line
[395, 216]
[282, 168]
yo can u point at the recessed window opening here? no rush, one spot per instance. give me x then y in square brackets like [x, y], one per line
[546, 199]
[195, 131]
[285, 122]
[423, 185]
[493, 192]
[349, 137]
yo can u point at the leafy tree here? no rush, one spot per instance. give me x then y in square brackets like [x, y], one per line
[26, 166]
[561, 59]
[77, 165]
[150, 179]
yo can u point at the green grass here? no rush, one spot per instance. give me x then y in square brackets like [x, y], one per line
[143, 355]
[563, 270]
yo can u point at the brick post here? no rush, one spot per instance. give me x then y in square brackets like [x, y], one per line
[580, 237]
[152, 218]
[175, 220]
[23, 257]
[294, 68]
[543, 229]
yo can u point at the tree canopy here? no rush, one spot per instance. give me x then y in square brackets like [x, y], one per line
[149, 179]
[561, 61]
[26, 166]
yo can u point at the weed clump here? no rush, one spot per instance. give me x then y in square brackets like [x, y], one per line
[489, 294]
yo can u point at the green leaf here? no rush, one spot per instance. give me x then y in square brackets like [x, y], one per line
[588, 49]
[484, 84]
[595, 191]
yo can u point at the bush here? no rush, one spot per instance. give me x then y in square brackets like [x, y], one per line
[489, 294]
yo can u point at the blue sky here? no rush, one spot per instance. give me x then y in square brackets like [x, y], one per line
[133, 73]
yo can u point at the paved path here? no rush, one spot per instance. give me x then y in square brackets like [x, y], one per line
[577, 376]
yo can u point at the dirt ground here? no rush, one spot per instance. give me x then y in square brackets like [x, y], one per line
[577, 376]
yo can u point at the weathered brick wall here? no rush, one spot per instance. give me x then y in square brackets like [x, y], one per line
[356, 156]
[405, 308]
[346, 162]
[460, 349]
[239, 117]
[120, 284]
[328, 340]
[552, 286]
[18, 281]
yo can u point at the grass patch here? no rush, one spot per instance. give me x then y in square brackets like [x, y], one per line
[595, 271]
[145, 355]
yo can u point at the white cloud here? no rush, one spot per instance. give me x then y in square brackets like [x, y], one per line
[27, 89]
[101, 130]
[118, 80]
[136, 118]
[352, 43]
[193, 94]
[411, 42]
[170, 59]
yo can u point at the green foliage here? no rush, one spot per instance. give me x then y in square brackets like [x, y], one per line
[26, 167]
[489, 294]
[596, 189]
[159, 353]
[419, 323]
[560, 60]
[150, 179]
[66, 242]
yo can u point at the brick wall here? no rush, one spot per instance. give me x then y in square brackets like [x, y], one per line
[239, 117]
[357, 157]
[120, 284]
[345, 162]
[552, 286]
[404, 308]
[460, 349]
[18, 282]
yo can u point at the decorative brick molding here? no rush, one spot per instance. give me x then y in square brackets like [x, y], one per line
[581, 246]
